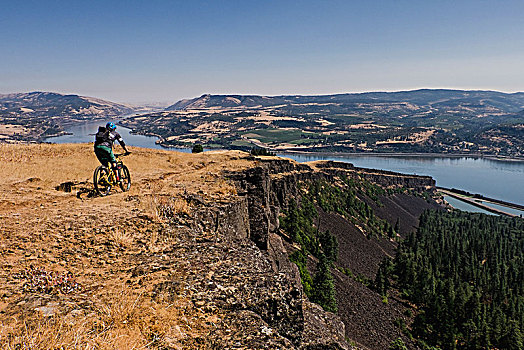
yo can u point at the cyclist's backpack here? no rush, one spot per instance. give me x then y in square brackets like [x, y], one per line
[101, 136]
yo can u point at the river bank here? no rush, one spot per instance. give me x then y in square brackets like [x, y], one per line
[284, 151]
[160, 142]
[403, 155]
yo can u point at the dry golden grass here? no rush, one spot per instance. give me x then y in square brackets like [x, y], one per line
[10, 129]
[57, 164]
[165, 207]
[124, 320]
[55, 230]
[121, 237]
[76, 162]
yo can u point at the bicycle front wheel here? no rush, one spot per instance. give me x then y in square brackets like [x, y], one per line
[102, 181]
[125, 178]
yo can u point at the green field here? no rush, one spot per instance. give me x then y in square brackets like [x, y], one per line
[274, 135]
[241, 143]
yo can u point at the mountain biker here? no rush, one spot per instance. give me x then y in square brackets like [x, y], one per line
[104, 139]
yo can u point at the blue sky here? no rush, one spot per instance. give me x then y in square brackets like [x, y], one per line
[141, 51]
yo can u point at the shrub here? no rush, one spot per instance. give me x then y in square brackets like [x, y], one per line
[261, 152]
[197, 148]
[398, 344]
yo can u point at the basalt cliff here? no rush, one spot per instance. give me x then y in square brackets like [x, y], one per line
[194, 256]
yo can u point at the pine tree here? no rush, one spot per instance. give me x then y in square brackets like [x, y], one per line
[329, 245]
[465, 272]
[513, 339]
[381, 283]
[324, 286]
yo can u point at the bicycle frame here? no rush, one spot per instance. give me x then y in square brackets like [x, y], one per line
[106, 177]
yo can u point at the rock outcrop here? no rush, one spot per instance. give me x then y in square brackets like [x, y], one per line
[260, 288]
[269, 187]
[266, 189]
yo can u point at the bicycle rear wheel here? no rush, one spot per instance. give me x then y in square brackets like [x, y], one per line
[125, 178]
[101, 180]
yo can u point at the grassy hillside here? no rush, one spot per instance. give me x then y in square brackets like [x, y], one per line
[420, 121]
[34, 116]
[168, 265]
[106, 273]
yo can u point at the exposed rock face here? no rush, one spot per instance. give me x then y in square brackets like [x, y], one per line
[260, 288]
[269, 187]
[379, 177]
[255, 184]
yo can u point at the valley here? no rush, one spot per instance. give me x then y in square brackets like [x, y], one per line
[35, 116]
[447, 122]
[419, 121]
[282, 175]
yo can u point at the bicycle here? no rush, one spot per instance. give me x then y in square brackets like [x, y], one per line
[105, 178]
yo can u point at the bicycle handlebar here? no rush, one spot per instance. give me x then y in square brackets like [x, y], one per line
[122, 154]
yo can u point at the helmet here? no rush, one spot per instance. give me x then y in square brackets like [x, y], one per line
[110, 126]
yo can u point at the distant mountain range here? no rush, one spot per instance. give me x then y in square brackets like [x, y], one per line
[437, 98]
[52, 104]
[34, 116]
[420, 121]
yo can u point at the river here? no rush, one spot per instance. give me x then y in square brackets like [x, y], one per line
[85, 132]
[492, 178]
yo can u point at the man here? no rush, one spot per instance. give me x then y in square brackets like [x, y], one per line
[104, 139]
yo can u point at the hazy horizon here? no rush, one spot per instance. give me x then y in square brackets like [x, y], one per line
[165, 51]
[169, 102]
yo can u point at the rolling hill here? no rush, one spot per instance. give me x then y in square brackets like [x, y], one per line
[419, 121]
[34, 116]
[52, 104]
[504, 102]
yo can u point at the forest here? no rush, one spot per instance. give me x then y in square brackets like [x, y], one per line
[460, 274]
[464, 272]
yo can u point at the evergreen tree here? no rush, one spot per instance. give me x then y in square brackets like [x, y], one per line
[197, 148]
[397, 225]
[513, 340]
[381, 283]
[329, 245]
[398, 344]
[465, 271]
[324, 286]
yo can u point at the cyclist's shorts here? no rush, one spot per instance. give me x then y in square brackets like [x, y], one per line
[104, 154]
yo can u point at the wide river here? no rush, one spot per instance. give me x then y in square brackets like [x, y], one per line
[493, 178]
